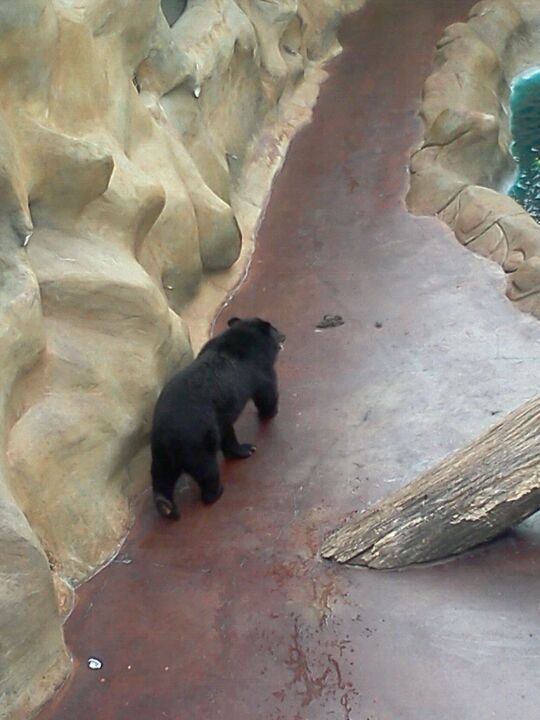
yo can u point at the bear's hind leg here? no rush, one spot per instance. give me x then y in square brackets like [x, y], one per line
[232, 448]
[163, 483]
[207, 478]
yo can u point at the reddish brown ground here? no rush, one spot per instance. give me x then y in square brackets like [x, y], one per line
[230, 613]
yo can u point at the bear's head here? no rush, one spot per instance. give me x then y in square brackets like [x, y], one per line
[251, 335]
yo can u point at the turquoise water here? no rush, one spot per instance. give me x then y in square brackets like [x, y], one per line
[525, 124]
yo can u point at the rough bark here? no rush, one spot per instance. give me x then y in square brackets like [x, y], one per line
[472, 496]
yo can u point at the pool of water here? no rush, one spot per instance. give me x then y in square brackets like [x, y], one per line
[525, 124]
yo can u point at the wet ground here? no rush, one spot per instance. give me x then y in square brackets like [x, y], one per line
[230, 614]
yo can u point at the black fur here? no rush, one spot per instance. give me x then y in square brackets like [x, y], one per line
[197, 408]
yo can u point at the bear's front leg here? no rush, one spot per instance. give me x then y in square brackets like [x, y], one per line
[232, 448]
[266, 399]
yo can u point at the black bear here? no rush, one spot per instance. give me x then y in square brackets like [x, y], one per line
[196, 409]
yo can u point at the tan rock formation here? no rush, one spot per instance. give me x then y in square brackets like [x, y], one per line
[135, 156]
[464, 159]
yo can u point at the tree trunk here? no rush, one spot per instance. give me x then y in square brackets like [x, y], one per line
[472, 496]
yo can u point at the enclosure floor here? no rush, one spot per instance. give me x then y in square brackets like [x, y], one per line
[230, 613]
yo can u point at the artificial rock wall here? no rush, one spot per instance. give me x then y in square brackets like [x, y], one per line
[137, 144]
[464, 163]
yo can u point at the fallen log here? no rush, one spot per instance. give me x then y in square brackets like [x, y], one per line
[471, 497]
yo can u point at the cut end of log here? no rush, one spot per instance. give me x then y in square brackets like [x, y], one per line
[333, 548]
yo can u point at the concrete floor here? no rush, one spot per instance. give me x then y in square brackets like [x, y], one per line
[230, 613]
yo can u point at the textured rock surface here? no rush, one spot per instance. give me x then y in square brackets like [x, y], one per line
[137, 151]
[464, 161]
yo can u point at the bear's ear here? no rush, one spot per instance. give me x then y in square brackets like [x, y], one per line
[264, 326]
[232, 321]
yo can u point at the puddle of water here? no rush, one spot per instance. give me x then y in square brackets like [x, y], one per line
[525, 125]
